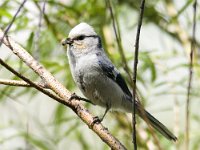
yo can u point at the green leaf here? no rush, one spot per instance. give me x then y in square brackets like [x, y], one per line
[30, 41]
[5, 13]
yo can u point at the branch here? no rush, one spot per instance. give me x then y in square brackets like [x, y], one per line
[48, 93]
[20, 83]
[38, 31]
[118, 38]
[135, 80]
[62, 92]
[193, 44]
[14, 83]
[135, 71]
[175, 28]
[47, 20]
[12, 21]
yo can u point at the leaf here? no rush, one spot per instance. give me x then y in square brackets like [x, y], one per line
[5, 13]
[38, 142]
[59, 114]
[30, 41]
[147, 63]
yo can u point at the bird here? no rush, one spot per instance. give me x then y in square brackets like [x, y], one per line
[99, 80]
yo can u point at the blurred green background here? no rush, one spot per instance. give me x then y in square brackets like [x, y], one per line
[29, 120]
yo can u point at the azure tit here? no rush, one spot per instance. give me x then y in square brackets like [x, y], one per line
[99, 80]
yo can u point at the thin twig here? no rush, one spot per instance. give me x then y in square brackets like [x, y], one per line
[176, 119]
[193, 44]
[62, 92]
[135, 71]
[135, 96]
[118, 38]
[20, 83]
[38, 31]
[126, 67]
[38, 87]
[12, 21]
[48, 22]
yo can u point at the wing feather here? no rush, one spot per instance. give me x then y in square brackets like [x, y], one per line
[111, 72]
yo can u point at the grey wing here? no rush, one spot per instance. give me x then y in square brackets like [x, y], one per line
[111, 72]
[120, 81]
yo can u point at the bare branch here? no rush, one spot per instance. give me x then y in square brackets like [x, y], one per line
[20, 83]
[14, 83]
[135, 71]
[135, 80]
[38, 31]
[12, 21]
[193, 44]
[46, 92]
[118, 38]
[47, 20]
[62, 92]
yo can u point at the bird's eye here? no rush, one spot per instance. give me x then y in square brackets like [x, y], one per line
[81, 37]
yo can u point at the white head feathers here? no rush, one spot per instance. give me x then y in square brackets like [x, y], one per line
[82, 29]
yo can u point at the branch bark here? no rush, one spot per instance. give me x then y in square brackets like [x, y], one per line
[118, 38]
[20, 83]
[62, 92]
[12, 21]
[137, 41]
[135, 71]
[192, 49]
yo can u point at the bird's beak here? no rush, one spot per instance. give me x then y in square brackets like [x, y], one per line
[67, 41]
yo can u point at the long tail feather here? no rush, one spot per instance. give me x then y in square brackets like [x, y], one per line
[146, 116]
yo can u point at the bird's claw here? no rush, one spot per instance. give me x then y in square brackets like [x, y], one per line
[74, 96]
[96, 120]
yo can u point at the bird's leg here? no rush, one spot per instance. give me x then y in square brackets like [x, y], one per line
[107, 109]
[74, 96]
[96, 119]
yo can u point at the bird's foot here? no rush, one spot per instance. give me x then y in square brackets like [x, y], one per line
[96, 120]
[74, 96]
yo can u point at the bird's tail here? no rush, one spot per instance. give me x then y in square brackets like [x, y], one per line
[146, 116]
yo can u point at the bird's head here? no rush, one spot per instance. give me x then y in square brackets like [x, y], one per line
[82, 37]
